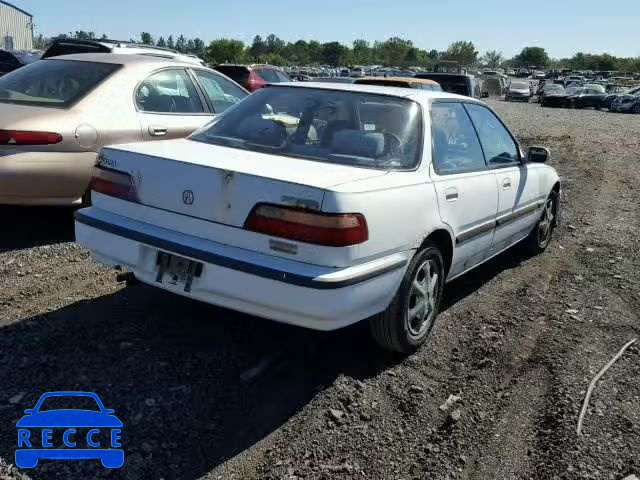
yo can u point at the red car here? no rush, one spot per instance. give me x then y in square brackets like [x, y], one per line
[253, 77]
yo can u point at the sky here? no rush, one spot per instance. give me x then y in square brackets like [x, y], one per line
[563, 27]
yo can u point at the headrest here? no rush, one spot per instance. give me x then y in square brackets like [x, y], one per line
[358, 143]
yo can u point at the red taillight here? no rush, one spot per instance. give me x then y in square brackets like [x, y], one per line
[329, 229]
[17, 137]
[255, 81]
[113, 183]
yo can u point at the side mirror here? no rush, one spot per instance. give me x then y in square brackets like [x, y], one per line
[538, 154]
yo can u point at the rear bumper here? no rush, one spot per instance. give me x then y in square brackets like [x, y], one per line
[322, 298]
[44, 178]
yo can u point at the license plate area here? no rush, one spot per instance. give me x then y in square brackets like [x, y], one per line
[177, 271]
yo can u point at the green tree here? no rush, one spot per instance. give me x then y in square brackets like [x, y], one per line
[146, 38]
[334, 53]
[391, 52]
[361, 52]
[170, 43]
[492, 59]
[274, 44]
[198, 47]
[532, 56]
[104, 36]
[162, 43]
[181, 44]
[258, 48]
[464, 53]
[225, 50]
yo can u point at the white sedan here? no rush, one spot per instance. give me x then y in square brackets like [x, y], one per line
[322, 205]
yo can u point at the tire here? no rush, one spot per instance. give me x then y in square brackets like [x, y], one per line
[540, 237]
[636, 108]
[396, 329]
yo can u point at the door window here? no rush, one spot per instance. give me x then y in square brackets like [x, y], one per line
[455, 145]
[222, 93]
[169, 91]
[499, 147]
[268, 75]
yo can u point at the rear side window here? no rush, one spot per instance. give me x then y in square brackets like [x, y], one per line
[268, 75]
[169, 91]
[455, 144]
[53, 83]
[221, 92]
[238, 74]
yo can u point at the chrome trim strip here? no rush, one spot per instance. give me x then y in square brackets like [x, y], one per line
[475, 231]
[520, 212]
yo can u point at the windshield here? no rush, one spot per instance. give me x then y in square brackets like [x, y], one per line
[519, 86]
[347, 128]
[53, 83]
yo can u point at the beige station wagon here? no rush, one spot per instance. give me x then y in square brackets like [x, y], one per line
[56, 114]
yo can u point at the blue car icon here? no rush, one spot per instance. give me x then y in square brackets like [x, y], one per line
[28, 452]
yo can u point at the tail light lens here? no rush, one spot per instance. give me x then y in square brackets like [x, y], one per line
[328, 229]
[113, 183]
[18, 137]
[255, 81]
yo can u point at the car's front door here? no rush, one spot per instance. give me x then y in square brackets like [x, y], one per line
[520, 201]
[169, 105]
[466, 188]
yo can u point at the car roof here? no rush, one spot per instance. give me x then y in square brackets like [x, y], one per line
[425, 81]
[423, 95]
[121, 59]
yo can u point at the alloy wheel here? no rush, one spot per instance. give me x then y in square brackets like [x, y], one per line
[421, 305]
[545, 226]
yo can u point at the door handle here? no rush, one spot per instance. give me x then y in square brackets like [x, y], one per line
[506, 183]
[451, 194]
[157, 130]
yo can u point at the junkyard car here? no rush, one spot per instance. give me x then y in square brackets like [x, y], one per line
[10, 61]
[518, 92]
[402, 82]
[58, 112]
[628, 103]
[322, 205]
[588, 96]
[553, 95]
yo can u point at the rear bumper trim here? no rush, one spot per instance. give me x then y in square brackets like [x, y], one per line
[321, 283]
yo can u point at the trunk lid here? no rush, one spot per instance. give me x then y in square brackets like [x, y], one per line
[221, 184]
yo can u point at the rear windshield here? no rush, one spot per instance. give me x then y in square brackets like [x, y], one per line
[519, 85]
[53, 83]
[347, 128]
[387, 83]
[238, 74]
[450, 83]
[69, 48]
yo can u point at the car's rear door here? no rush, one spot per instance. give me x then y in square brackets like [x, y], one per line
[466, 188]
[518, 182]
[170, 105]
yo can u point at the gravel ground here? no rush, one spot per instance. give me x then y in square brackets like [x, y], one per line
[495, 393]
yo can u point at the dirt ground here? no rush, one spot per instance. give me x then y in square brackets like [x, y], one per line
[518, 342]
